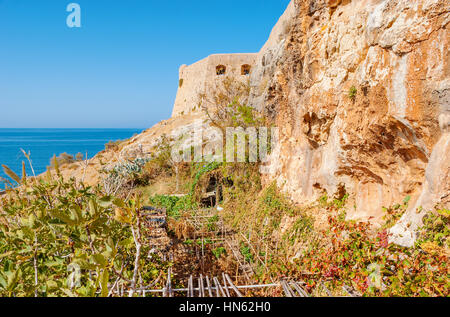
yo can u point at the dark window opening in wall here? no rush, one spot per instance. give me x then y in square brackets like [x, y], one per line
[180, 83]
[221, 70]
[245, 69]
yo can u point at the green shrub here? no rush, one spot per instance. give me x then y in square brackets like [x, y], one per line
[60, 238]
[218, 252]
[352, 92]
[113, 145]
[246, 253]
[62, 159]
[174, 205]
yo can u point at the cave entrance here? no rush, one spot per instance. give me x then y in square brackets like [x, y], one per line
[213, 194]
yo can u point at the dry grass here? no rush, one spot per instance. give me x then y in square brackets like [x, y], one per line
[183, 229]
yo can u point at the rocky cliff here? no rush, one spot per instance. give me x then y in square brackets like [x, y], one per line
[360, 91]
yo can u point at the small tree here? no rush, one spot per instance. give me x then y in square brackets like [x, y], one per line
[227, 106]
[62, 159]
[79, 157]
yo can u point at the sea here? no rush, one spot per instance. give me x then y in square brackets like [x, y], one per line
[43, 144]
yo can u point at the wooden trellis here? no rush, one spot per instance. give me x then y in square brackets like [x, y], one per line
[213, 286]
[204, 286]
[293, 289]
[223, 286]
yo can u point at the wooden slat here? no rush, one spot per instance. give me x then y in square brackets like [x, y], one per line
[225, 285]
[191, 287]
[287, 290]
[201, 289]
[214, 280]
[219, 287]
[236, 256]
[239, 294]
[350, 291]
[299, 290]
[169, 283]
[326, 290]
[216, 289]
[209, 287]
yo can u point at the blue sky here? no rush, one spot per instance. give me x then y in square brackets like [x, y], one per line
[120, 70]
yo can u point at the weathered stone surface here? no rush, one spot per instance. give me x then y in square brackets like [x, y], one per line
[383, 144]
[360, 92]
[436, 189]
[197, 82]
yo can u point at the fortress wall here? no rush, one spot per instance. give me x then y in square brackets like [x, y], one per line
[191, 84]
[201, 78]
[233, 62]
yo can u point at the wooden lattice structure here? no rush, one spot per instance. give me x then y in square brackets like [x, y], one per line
[205, 285]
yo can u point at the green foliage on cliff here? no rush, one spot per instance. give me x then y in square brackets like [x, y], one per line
[60, 238]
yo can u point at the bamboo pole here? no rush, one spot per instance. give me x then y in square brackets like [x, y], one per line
[300, 290]
[239, 294]
[213, 288]
[209, 286]
[190, 287]
[225, 284]
[219, 287]
[201, 287]
[287, 290]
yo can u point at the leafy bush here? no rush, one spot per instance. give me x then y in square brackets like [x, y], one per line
[60, 238]
[212, 223]
[246, 253]
[340, 252]
[394, 213]
[219, 251]
[62, 159]
[352, 92]
[113, 145]
[161, 162]
[434, 235]
[373, 266]
[124, 173]
[174, 205]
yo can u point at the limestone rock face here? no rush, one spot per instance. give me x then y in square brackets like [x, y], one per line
[361, 93]
[436, 189]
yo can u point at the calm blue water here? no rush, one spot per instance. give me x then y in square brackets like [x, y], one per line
[44, 143]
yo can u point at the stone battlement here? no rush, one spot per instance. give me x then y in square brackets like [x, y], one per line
[201, 77]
